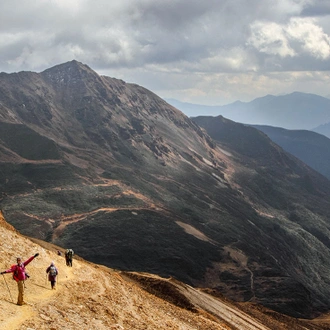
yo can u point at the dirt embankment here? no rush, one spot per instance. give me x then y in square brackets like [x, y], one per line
[87, 295]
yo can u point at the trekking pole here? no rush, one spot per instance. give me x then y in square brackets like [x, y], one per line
[8, 288]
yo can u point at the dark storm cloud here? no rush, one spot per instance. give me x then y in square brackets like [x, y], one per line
[320, 8]
[131, 34]
[169, 43]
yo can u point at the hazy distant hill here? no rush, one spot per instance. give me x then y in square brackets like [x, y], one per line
[312, 148]
[323, 129]
[291, 111]
[127, 180]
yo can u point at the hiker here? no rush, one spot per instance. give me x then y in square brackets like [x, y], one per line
[52, 273]
[68, 257]
[20, 276]
[59, 253]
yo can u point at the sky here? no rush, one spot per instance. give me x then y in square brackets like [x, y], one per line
[210, 52]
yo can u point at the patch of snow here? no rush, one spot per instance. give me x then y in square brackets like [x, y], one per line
[221, 182]
[186, 161]
[225, 152]
[193, 150]
[252, 223]
[218, 177]
[206, 161]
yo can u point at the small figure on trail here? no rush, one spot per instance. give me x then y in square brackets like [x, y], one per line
[68, 257]
[20, 276]
[52, 273]
[59, 253]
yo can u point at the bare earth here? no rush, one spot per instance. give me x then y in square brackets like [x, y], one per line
[90, 296]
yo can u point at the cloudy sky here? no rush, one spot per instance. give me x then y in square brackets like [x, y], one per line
[208, 52]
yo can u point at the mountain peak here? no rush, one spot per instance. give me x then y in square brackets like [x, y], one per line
[69, 73]
[71, 65]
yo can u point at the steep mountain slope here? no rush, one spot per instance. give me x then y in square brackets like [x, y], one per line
[310, 147]
[88, 296]
[128, 181]
[93, 296]
[292, 111]
[297, 222]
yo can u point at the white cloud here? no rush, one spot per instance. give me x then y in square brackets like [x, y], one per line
[299, 36]
[313, 39]
[270, 38]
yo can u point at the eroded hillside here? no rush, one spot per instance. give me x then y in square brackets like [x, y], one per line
[87, 296]
[93, 296]
[130, 182]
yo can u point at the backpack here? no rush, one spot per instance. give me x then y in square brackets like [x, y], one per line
[70, 253]
[52, 271]
[15, 273]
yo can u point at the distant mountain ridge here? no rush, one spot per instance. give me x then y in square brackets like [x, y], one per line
[127, 180]
[292, 111]
[310, 147]
[323, 129]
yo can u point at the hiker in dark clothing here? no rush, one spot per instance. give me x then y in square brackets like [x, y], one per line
[52, 273]
[20, 276]
[68, 257]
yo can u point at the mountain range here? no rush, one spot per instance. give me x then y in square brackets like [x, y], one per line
[291, 111]
[310, 147]
[128, 181]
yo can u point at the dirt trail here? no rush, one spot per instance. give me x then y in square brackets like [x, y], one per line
[87, 296]
[235, 317]
[90, 296]
[37, 291]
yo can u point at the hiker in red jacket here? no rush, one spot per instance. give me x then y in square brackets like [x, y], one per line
[20, 276]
